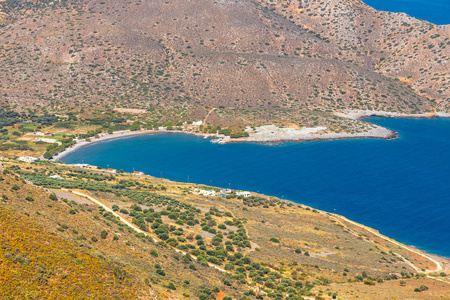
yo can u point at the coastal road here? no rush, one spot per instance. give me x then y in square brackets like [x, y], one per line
[155, 240]
[438, 264]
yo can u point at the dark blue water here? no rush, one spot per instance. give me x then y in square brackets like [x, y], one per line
[434, 11]
[400, 187]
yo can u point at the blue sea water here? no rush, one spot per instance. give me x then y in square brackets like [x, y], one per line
[400, 187]
[434, 11]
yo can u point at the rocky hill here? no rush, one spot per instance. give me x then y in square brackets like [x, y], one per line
[252, 60]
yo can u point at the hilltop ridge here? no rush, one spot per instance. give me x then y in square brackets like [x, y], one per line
[255, 62]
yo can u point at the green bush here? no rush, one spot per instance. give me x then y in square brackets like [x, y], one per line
[275, 240]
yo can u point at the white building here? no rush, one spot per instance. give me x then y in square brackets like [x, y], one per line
[244, 193]
[137, 173]
[56, 176]
[225, 191]
[28, 159]
[111, 170]
[42, 133]
[207, 193]
[198, 123]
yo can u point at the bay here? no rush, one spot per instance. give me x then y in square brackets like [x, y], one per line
[400, 187]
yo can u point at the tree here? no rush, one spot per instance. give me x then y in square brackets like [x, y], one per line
[104, 234]
[53, 197]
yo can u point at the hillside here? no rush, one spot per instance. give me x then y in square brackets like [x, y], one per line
[255, 62]
[165, 241]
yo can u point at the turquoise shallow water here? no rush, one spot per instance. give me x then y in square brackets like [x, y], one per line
[434, 11]
[400, 187]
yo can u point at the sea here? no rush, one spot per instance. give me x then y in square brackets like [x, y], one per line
[400, 187]
[434, 11]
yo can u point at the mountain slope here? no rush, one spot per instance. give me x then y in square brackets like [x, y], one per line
[225, 54]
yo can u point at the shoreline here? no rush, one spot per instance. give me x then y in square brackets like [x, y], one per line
[378, 132]
[442, 262]
[123, 134]
[361, 114]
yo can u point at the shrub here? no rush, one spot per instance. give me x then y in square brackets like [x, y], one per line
[298, 251]
[369, 282]
[53, 197]
[30, 199]
[15, 187]
[104, 234]
[154, 253]
[423, 288]
[171, 286]
[275, 240]
[94, 239]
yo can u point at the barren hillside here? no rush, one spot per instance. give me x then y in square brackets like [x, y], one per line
[282, 59]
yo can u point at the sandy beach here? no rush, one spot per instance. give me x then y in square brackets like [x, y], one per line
[274, 134]
[102, 137]
[264, 134]
[123, 134]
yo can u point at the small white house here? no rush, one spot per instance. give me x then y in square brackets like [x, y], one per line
[207, 193]
[111, 170]
[137, 173]
[225, 191]
[198, 123]
[56, 176]
[28, 159]
[244, 193]
[42, 133]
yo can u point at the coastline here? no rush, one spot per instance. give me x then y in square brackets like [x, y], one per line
[441, 262]
[122, 134]
[378, 132]
[360, 114]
